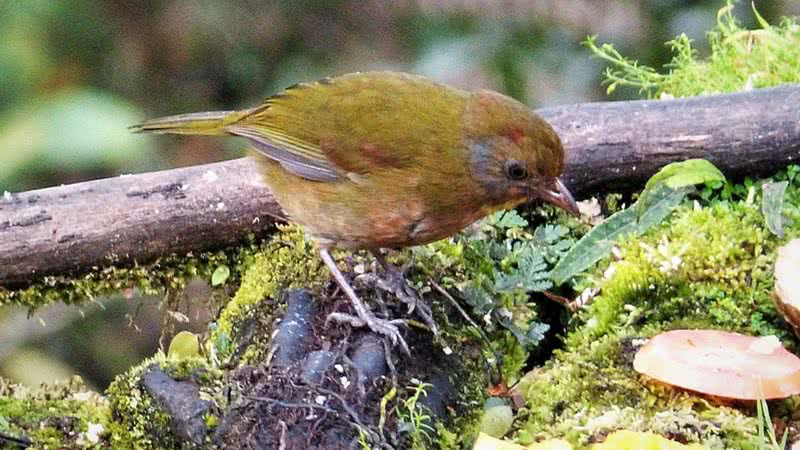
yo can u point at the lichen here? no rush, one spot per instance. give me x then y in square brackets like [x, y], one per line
[494, 270]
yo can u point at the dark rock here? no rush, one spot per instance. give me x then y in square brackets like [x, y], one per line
[438, 395]
[295, 333]
[315, 366]
[370, 359]
[181, 400]
[10, 442]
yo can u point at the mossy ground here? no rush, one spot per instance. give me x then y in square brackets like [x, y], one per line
[708, 266]
[136, 419]
[286, 261]
[62, 415]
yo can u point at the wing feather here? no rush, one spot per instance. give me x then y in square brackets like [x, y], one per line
[292, 157]
[326, 130]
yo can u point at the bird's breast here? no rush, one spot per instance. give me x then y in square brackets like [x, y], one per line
[377, 212]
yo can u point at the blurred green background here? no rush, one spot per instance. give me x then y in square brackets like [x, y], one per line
[75, 73]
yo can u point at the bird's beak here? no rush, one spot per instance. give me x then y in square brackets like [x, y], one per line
[556, 193]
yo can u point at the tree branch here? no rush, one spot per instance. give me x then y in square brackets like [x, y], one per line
[611, 146]
[619, 145]
[131, 218]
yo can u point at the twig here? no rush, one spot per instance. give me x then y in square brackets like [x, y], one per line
[19, 442]
[282, 445]
[571, 305]
[284, 404]
[455, 304]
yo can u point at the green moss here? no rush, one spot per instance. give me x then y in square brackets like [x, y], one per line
[706, 267]
[138, 421]
[65, 415]
[740, 59]
[710, 266]
[59, 415]
[588, 391]
[286, 261]
[166, 273]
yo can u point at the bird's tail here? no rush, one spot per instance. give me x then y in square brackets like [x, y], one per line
[207, 123]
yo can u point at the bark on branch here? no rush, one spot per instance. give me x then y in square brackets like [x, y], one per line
[611, 146]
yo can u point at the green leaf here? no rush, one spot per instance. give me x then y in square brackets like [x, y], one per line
[184, 345]
[477, 297]
[497, 417]
[761, 21]
[772, 205]
[552, 242]
[598, 243]
[508, 219]
[550, 234]
[687, 173]
[677, 175]
[531, 275]
[536, 332]
[530, 338]
[220, 275]
[222, 343]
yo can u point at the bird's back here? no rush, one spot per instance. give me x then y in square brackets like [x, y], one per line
[367, 122]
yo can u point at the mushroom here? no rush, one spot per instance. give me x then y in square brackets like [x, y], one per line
[721, 364]
[787, 283]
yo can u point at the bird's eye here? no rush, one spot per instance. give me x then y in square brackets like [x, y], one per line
[516, 171]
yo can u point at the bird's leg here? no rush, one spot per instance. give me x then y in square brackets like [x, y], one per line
[395, 282]
[363, 317]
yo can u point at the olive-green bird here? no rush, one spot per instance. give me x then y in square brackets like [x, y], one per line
[384, 160]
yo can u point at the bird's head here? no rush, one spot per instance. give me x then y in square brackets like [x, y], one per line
[514, 154]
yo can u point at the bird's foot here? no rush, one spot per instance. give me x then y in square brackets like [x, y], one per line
[363, 317]
[394, 281]
[384, 327]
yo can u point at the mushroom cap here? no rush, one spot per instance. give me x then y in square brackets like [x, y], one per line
[787, 283]
[722, 364]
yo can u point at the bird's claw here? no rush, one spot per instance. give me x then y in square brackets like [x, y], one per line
[396, 284]
[386, 328]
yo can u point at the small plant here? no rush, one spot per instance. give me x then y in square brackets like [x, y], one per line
[767, 440]
[414, 419]
[664, 192]
[363, 440]
[740, 59]
[496, 267]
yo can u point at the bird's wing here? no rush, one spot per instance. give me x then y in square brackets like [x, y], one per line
[355, 124]
[299, 157]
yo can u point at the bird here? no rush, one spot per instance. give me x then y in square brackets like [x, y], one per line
[385, 160]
